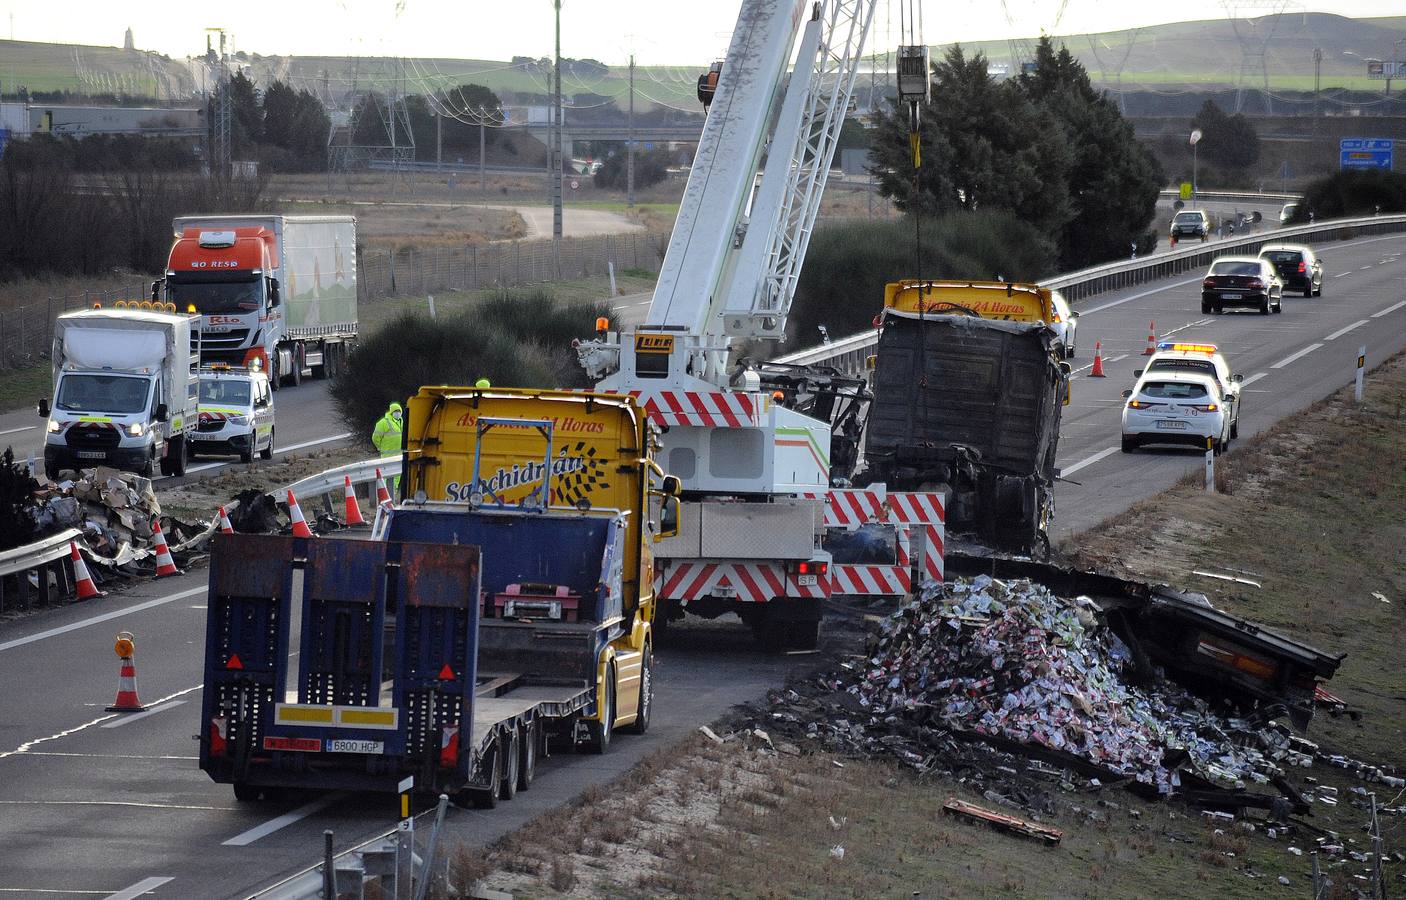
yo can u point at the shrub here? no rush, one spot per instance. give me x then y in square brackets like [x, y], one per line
[514, 340]
[1359, 192]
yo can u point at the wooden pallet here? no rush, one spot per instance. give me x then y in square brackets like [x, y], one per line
[1050, 836]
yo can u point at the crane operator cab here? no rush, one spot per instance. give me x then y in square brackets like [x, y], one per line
[708, 84]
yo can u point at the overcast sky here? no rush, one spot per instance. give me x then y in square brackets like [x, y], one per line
[657, 31]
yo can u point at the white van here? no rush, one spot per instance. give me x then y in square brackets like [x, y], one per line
[236, 413]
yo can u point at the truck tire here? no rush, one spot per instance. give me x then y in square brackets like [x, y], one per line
[599, 733]
[267, 452]
[531, 742]
[487, 798]
[512, 758]
[246, 793]
[274, 375]
[164, 464]
[296, 376]
[646, 701]
[177, 452]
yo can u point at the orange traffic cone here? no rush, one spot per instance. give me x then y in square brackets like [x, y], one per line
[85, 587]
[1151, 339]
[126, 677]
[383, 495]
[225, 526]
[300, 525]
[353, 508]
[165, 565]
[1097, 370]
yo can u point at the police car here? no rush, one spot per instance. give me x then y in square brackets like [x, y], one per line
[1175, 407]
[236, 413]
[1206, 359]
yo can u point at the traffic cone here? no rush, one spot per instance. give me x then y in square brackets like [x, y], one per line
[86, 589]
[353, 508]
[225, 526]
[300, 525]
[383, 495]
[126, 677]
[1151, 339]
[165, 565]
[1097, 370]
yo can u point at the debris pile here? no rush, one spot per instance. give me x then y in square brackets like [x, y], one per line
[113, 509]
[1010, 663]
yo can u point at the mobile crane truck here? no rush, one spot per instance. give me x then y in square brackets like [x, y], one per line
[508, 603]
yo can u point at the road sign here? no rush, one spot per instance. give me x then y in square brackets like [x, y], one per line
[1364, 153]
[1186, 190]
[1386, 69]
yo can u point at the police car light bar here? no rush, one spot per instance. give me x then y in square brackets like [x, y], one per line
[1188, 348]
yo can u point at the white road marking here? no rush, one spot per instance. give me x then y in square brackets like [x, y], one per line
[253, 834]
[1293, 356]
[1253, 378]
[27, 746]
[54, 632]
[1365, 268]
[1085, 312]
[327, 440]
[151, 710]
[18, 430]
[1342, 331]
[111, 803]
[145, 886]
[1069, 470]
[1390, 309]
[1187, 325]
[1342, 274]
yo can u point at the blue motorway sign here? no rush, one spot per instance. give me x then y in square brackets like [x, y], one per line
[4, 139]
[1364, 153]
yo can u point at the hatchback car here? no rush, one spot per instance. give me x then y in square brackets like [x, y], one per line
[1065, 325]
[1298, 266]
[1201, 359]
[1180, 408]
[236, 413]
[1242, 281]
[1191, 223]
[1287, 212]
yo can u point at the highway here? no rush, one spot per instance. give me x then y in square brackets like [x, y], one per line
[95, 805]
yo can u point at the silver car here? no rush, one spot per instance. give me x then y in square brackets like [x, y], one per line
[1065, 325]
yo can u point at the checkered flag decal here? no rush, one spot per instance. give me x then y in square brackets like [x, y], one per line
[571, 487]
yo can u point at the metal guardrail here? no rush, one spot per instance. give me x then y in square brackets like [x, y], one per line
[335, 479]
[39, 572]
[1234, 196]
[848, 353]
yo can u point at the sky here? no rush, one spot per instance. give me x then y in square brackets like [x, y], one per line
[658, 32]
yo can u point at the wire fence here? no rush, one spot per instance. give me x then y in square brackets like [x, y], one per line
[27, 332]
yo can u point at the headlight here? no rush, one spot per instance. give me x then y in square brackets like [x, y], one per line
[239, 420]
[136, 429]
[54, 426]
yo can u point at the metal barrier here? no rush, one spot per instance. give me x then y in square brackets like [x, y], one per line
[848, 353]
[41, 572]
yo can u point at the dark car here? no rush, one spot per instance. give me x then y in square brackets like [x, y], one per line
[1191, 223]
[1241, 281]
[1298, 266]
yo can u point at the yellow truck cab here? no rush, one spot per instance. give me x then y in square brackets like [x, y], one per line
[1006, 300]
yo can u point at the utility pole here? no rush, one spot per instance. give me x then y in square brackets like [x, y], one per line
[630, 142]
[1317, 77]
[482, 166]
[556, 149]
[438, 141]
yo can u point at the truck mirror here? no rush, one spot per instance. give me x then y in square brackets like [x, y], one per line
[671, 485]
[668, 519]
[274, 298]
[161, 412]
[44, 407]
[155, 289]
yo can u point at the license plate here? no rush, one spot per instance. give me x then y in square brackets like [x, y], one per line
[806, 580]
[92, 454]
[342, 746]
[1230, 296]
[206, 437]
[1170, 424]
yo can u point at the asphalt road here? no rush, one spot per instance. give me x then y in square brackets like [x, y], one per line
[98, 805]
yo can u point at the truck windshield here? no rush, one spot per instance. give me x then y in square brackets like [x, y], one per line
[103, 393]
[227, 391]
[217, 296]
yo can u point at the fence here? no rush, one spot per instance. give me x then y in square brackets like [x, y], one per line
[385, 273]
[27, 332]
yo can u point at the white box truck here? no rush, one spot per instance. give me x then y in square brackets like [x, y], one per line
[126, 391]
[280, 289]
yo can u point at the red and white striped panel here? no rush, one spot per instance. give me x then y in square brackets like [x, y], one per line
[872, 579]
[744, 582]
[713, 409]
[850, 506]
[924, 510]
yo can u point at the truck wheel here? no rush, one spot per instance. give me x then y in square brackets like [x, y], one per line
[246, 793]
[274, 375]
[527, 768]
[177, 452]
[646, 701]
[804, 635]
[246, 456]
[164, 464]
[512, 750]
[267, 452]
[296, 376]
[599, 733]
